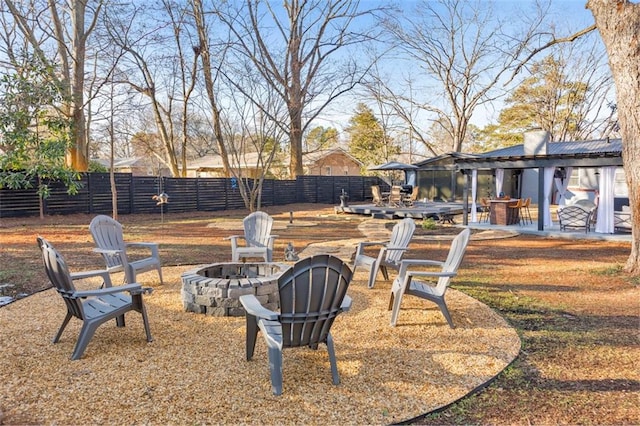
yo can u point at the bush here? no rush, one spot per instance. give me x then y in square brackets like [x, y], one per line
[429, 223]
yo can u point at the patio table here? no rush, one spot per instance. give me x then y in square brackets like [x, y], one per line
[501, 214]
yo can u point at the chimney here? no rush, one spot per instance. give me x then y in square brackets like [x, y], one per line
[535, 142]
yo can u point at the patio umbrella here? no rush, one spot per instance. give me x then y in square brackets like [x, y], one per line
[394, 165]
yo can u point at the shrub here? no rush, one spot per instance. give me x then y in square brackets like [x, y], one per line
[429, 223]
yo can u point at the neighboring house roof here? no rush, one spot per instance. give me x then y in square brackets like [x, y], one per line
[130, 162]
[309, 158]
[251, 159]
[119, 163]
[214, 161]
[135, 165]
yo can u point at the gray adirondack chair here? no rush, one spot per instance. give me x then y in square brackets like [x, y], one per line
[108, 237]
[92, 307]
[406, 282]
[312, 294]
[257, 237]
[390, 253]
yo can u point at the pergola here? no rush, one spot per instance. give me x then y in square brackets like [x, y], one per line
[603, 153]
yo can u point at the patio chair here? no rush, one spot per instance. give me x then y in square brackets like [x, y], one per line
[513, 212]
[257, 237]
[312, 293]
[390, 253]
[378, 200]
[485, 210]
[621, 219]
[525, 213]
[575, 217]
[92, 307]
[109, 240]
[410, 199]
[395, 197]
[406, 283]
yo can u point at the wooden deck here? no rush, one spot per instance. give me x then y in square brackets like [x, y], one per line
[442, 211]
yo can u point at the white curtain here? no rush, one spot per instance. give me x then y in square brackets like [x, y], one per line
[548, 186]
[410, 177]
[499, 180]
[474, 190]
[605, 224]
[562, 184]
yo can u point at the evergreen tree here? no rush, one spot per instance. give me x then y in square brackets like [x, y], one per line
[368, 142]
[547, 100]
[320, 138]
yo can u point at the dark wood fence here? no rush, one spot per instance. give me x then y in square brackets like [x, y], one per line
[185, 194]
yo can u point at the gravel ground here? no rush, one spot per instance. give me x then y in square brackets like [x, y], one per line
[195, 371]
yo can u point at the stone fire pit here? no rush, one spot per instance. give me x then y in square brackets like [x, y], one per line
[215, 289]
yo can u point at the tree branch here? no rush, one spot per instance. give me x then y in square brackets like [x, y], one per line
[552, 42]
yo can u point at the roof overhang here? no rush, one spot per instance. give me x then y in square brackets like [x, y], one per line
[536, 161]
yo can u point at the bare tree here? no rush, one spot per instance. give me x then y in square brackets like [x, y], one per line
[255, 145]
[12, 44]
[64, 31]
[567, 93]
[188, 73]
[583, 62]
[210, 78]
[165, 77]
[464, 52]
[401, 111]
[303, 53]
[249, 136]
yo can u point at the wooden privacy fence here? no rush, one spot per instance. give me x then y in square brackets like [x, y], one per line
[135, 194]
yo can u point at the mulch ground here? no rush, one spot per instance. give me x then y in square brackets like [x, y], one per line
[575, 311]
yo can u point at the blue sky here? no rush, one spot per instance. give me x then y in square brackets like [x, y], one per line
[568, 16]
[565, 12]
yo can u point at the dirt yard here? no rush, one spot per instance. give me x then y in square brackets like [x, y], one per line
[577, 313]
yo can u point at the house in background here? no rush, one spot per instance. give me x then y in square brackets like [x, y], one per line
[137, 166]
[329, 162]
[212, 166]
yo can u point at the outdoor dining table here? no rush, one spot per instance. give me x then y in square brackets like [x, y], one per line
[501, 214]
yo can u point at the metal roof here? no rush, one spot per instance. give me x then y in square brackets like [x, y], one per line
[593, 153]
[451, 155]
[592, 147]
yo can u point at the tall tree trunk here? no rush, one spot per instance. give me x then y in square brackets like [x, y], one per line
[207, 71]
[77, 153]
[295, 136]
[619, 25]
[294, 91]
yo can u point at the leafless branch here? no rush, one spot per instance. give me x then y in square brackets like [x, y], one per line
[552, 42]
